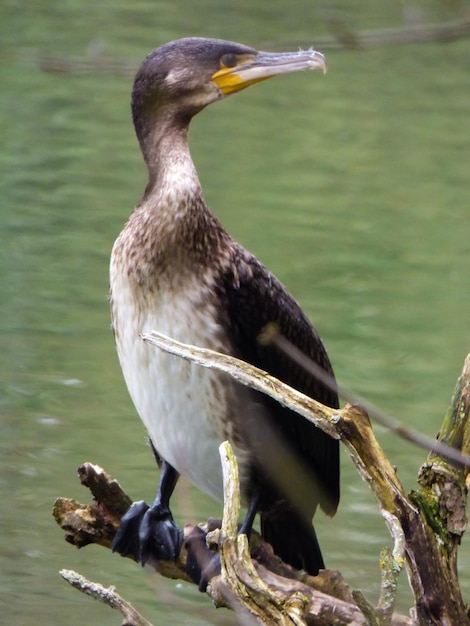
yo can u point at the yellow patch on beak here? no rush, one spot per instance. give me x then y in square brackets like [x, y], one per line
[229, 81]
[239, 71]
[230, 78]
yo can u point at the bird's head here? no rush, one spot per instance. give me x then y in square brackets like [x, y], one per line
[182, 77]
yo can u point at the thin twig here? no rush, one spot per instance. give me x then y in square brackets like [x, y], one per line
[391, 565]
[320, 415]
[231, 490]
[273, 336]
[251, 376]
[107, 595]
[366, 607]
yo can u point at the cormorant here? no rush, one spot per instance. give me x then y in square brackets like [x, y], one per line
[176, 270]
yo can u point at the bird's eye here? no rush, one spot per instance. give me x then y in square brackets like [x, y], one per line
[228, 60]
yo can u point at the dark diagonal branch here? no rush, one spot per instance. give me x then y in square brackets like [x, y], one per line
[441, 446]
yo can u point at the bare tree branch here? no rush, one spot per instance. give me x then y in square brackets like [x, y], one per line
[432, 571]
[345, 37]
[426, 526]
[107, 595]
[271, 335]
[342, 36]
[257, 571]
[254, 582]
[251, 376]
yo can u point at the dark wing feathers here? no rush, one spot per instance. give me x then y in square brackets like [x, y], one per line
[254, 298]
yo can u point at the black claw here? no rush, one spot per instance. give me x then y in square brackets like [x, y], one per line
[160, 539]
[126, 541]
[148, 534]
[201, 564]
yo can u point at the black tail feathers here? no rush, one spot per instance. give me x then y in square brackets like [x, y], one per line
[294, 540]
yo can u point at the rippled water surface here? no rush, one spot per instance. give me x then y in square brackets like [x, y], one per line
[353, 188]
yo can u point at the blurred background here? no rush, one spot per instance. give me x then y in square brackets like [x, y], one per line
[353, 188]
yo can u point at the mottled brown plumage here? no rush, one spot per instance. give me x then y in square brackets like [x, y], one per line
[176, 270]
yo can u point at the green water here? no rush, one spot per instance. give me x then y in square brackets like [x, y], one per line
[353, 188]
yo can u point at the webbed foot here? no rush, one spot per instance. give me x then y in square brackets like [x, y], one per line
[126, 540]
[148, 534]
[201, 564]
[160, 538]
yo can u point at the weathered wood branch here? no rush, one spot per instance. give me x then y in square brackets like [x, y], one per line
[322, 416]
[107, 595]
[254, 581]
[426, 526]
[431, 569]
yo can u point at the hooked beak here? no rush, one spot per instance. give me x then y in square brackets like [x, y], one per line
[250, 69]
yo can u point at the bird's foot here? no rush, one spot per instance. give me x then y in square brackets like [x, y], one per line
[148, 534]
[126, 540]
[202, 564]
[159, 536]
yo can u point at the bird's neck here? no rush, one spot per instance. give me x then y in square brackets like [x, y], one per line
[172, 226]
[164, 145]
